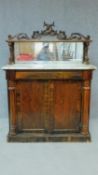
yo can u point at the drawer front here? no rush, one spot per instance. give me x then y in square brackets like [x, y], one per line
[48, 75]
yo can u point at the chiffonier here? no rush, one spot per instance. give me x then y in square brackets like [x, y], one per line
[49, 84]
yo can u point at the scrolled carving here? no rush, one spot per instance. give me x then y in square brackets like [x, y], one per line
[79, 36]
[61, 35]
[22, 36]
[36, 34]
[18, 36]
[49, 30]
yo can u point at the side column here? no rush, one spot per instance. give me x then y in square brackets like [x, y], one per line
[86, 88]
[11, 102]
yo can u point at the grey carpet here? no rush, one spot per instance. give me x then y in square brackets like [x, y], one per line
[48, 158]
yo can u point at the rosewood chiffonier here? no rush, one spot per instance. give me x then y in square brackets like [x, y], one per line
[49, 84]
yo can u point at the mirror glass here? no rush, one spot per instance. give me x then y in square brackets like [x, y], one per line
[48, 51]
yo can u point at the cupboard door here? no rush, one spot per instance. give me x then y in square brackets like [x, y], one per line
[49, 105]
[67, 106]
[29, 96]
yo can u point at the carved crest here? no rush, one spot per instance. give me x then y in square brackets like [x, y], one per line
[50, 31]
[61, 35]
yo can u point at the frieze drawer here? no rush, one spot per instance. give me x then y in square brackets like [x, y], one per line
[48, 75]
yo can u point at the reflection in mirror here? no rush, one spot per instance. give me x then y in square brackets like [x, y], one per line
[48, 51]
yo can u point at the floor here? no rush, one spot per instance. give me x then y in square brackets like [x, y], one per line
[48, 158]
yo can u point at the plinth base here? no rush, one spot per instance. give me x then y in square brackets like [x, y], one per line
[32, 137]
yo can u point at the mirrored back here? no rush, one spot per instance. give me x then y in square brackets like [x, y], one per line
[48, 51]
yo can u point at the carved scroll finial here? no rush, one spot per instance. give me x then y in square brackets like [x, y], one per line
[48, 29]
[22, 36]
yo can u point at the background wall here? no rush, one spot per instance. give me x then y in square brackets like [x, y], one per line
[27, 15]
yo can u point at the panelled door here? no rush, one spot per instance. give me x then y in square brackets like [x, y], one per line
[52, 106]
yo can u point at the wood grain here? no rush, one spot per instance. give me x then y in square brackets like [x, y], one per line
[49, 105]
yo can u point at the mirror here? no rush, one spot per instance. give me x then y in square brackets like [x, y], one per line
[48, 51]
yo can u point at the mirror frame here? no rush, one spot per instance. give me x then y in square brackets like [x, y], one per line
[49, 34]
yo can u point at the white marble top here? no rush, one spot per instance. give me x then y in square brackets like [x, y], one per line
[51, 65]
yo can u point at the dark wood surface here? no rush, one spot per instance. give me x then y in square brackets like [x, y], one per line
[49, 105]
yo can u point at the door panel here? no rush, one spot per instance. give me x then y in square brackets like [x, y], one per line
[29, 103]
[67, 107]
[50, 105]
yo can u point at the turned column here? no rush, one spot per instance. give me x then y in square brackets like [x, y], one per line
[12, 103]
[86, 101]
[11, 48]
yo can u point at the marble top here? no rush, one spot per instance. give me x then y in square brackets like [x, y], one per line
[51, 65]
